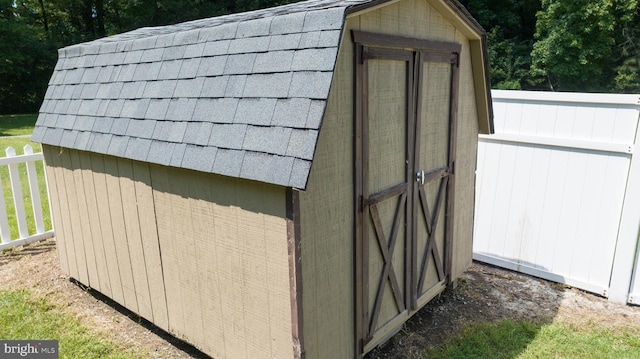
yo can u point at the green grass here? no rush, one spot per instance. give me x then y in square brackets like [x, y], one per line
[16, 125]
[525, 340]
[23, 317]
[18, 143]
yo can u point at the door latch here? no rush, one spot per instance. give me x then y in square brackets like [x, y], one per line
[420, 177]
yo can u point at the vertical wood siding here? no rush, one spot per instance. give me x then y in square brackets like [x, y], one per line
[327, 219]
[551, 187]
[201, 256]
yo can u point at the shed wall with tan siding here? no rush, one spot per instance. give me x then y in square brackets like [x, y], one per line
[327, 207]
[202, 256]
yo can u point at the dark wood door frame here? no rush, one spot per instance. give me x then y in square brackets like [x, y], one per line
[415, 52]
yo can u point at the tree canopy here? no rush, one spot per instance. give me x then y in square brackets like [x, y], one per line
[555, 45]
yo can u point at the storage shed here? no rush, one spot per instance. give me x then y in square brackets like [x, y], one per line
[283, 183]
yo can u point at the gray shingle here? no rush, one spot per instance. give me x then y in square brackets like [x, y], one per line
[239, 64]
[273, 140]
[102, 108]
[199, 158]
[214, 86]
[170, 69]
[302, 144]
[212, 66]
[52, 136]
[124, 46]
[70, 90]
[144, 43]
[117, 146]
[100, 142]
[137, 149]
[291, 112]
[89, 91]
[160, 89]
[173, 53]
[189, 68]
[154, 71]
[256, 27]
[221, 32]
[162, 131]
[221, 110]
[119, 126]
[114, 108]
[329, 38]
[198, 133]
[88, 61]
[189, 88]
[82, 141]
[160, 152]
[255, 111]
[288, 23]
[314, 60]
[58, 92]
[115, 90]
[268, 85]
[141, 128]
[50, 90]
[249, 45]
[61, 106]
[66, 122]
[284, 42]
[73, 76]
[84, 123]
[176, 131]
[38, 134]
[142, 72]
[316, 112]
[133, 57]
[152, 55]
[68, 138]
[309, 40]
[273, 61]
[215, 48]
[108, 47]
[324, 19]
[181, 109]
[228, 162]
[186, 37]
[105, 74]
[165, 40]
[132, 90]
[177, 155]
[126, 72]
[267, 168]
[74, 106]
[90, 75]
[157, 109]
[299, 173]
[115, 58]
[103, 124]
[310, 84]
[229, 136]
[235, 86]
[141, 109]
[194, 50]
[47, 120]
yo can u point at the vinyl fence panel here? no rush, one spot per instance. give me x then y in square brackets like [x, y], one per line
[552, 183]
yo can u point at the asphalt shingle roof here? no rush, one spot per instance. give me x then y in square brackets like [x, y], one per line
[239, 95]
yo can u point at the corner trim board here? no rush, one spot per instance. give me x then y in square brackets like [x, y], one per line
[295, 271]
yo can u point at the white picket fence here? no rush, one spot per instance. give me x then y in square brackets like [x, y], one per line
[558, 190]
[12, 161]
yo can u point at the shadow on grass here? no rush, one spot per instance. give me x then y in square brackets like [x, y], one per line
[492, 313]
[17, 125]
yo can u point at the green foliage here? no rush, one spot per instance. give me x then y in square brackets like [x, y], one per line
[23, 317]
[526, 340]
[574, 44]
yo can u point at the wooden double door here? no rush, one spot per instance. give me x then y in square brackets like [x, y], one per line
[406, 112]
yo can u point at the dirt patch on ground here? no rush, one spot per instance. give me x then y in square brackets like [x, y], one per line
[484, 293]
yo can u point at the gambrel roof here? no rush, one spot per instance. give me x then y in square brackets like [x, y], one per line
[241, 95]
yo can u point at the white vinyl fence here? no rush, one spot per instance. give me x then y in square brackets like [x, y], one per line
[12, 161]
[558, 190]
